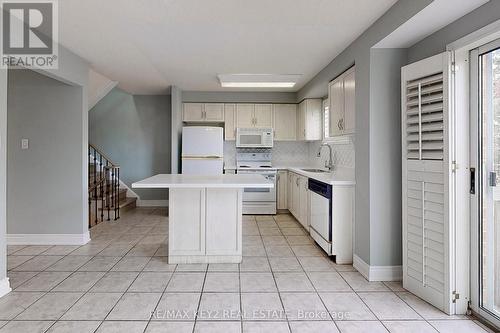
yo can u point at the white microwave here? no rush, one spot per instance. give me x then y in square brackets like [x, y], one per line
[254, 138]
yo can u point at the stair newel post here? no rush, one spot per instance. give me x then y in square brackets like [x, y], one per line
[108, 199]
[95, 188]
[113, 195]
[118, 191]
[101, 187]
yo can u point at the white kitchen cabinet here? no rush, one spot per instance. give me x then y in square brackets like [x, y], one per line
[285, 122]
[281, 193]
[203, 112]
[245, 114]
[296, 197]
[193, 112]
[303, 202]
[263, 115]
[229, 122]
[289, 192]
[309, 120]
[342, 96]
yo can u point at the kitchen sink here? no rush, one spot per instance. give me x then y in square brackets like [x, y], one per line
[316, 170]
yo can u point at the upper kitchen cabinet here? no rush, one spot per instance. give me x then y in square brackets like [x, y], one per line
[203, 112]
[309, 120]
[254, 115]
[342, 96]
[285, 122]
[229, 122]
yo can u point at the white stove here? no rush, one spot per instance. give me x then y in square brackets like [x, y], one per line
[257, 200]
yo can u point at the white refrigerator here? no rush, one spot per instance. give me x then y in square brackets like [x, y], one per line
[202, 150]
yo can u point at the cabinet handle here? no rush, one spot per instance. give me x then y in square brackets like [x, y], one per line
[342, 124]
[338, 124]
[297, 181]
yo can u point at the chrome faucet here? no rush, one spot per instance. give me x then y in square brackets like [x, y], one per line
[329, 165]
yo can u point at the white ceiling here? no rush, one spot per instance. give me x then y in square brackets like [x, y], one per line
[149, 45]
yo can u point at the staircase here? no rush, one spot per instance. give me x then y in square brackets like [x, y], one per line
[106, 198]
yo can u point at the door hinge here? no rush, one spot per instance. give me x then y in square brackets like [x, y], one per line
[455, 296]
[454, 166]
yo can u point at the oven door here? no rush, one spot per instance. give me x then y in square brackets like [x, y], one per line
[260, 194]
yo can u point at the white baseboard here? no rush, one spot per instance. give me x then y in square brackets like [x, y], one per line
[377, 273]
[4, 286]
[48, 239]
[152, 203]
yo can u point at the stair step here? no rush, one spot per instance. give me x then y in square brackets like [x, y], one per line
[122, 192]
[128, 201]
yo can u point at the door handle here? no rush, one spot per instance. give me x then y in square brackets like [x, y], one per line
[493, 179]
[472, 189]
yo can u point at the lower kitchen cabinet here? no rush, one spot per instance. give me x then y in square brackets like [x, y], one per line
[299, 203]
[281, 187]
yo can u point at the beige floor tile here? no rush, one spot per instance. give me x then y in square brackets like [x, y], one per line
[456, 326]
[44, 281]
[304, 306]
[14, 303]
[257, 282]
[18, 278]
[255, 264]
[395, 285]
[316, 264]
[307, 251]
[74, 326]
[51, 306]
[216, 327]
[279, 251]
[186, 282]
[313, 327]
[252, 240]
[388, 306]
[423, 308]
[33, 250]
[159, 264]
[131, 264]
[261, 327]
[100, 264]
[177, 307]
[222, 282]
[299, 240]
[408, 326]
[92, 306]
[116, 250]
[270, 231]
[11, 249]
[143, 250]
[346, 306]
[26, 326]
[219, 306]
[361, 327]
[38, 263]
[151, 282]
[274, 240]
[223, 268]
[254, 251]
[192, 268]
[69, 263]
[177, 327]
[89, 250]
[285, 264]
[135, 306]
[328, 281]
[122, 326]
[293, 231]
[60, 250]
[262, 307]
[293, 282]
[79, 281]
[359, 283]
[115, 282]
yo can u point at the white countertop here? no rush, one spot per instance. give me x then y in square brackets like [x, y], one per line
[340, 176]
[196, 181]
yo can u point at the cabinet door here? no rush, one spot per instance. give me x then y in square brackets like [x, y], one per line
[336, 106]
[214, 112]
[263, 115]
[296, 197]
[301, 118]
[193, 112]
[313, 119]
[285, 122]
[304, 202]
[230, 122]
[350, 102]
[245, 115]
[281, 187]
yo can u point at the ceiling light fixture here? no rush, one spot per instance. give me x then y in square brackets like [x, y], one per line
[258, 80]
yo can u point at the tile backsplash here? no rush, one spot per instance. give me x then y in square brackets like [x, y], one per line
[299, 153]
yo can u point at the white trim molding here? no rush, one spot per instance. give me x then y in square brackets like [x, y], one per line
[4, 287]
[377, 273]
[152, 203]
[48, 239]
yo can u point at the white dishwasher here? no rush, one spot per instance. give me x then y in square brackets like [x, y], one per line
[320, 214]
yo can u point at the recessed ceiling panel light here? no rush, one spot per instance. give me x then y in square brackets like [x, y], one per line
[258, 80]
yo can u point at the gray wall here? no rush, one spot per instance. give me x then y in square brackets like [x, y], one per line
[475, 20]
[44, 188]
[3, 173]
[368, 128]
[134, 131]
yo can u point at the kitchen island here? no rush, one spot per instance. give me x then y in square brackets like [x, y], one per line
[205, 215]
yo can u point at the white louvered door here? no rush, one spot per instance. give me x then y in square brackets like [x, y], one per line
[427, 181]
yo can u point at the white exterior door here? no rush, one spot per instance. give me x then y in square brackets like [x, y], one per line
[428, 204]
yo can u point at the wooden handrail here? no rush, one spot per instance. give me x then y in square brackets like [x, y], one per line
[103, 155]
